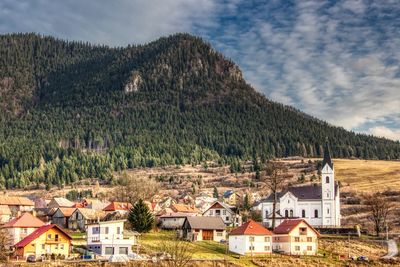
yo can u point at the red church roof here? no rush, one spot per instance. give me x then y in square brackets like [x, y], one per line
[250, 228]
[114, 206]
[288, 225]
[37, 233]
[26, 220]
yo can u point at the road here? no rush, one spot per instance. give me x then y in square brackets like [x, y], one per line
[392, 249]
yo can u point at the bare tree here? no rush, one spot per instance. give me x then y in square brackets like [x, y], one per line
[4, 241]
[379, 209]
[132, 188]
[178, 251]
[275, 177]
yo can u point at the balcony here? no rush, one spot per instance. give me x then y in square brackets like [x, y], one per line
[53, 240]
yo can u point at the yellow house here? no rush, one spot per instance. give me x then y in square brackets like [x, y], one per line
[46, 240]
[231, 198]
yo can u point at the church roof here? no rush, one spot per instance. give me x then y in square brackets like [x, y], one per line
[327, 157]
[304, 192]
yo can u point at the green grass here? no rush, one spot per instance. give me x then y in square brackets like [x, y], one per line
[77, 235]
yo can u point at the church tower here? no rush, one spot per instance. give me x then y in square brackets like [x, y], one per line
[328, 194]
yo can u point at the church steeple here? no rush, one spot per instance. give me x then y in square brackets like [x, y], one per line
[327, 156]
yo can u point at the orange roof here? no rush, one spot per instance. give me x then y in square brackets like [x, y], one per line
[37, 233]
[118, 206]
[184, 208]
[67, 211]
[26, 220]
[16, 201]
[288, 225]
[250, 228]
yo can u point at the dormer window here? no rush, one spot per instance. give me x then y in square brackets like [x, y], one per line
[327, 179]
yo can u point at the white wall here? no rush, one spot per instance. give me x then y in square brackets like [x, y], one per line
[241, 244]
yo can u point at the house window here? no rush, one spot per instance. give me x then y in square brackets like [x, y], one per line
[62, 246]
[266, 248]
[286, 213]
[49, 236]
[297, 239]
[224, 212]
[327, 211]
[309, 239]
[303, 230]
[119, 229]
[106, 230]
[251, 238]
[291, 213]
[266, 239]
[43, 246]
[219, 234]
[226, 218]
[315, 213]
[218, 212]
[266, 213]
[56, 246]
[24, 230]
[109, 251]
[303, 213]
[297, 248]
[211, 213]
[327, 179]
[56, 237]
[288, 201]
[309, 248]
[251, 248]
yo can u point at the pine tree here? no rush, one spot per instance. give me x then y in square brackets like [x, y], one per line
[215, 194]
[140, 217]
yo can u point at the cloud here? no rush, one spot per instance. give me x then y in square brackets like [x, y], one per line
[383, 131]
[336, 60]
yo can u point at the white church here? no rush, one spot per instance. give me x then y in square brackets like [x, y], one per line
[319, 204]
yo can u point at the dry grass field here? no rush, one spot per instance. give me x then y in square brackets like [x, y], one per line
[368, 175]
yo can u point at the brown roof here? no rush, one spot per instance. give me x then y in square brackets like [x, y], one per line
[206, 222]
[67, 212]
[61, 202]
[184, 208]
[5, 210]
[26, 220]
[113, 206]
[288, 225]
[250, 228]
[91, 214]
[16, 201]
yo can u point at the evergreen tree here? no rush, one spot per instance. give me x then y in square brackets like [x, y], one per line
[140, 217]
[215, 193]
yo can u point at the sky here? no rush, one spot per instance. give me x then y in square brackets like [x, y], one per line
[335, 60]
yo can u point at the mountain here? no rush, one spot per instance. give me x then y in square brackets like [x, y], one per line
[72, 110]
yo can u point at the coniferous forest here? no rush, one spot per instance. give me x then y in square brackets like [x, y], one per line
[73, 110]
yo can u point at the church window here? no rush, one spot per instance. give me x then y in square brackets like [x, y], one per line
[327, 211]
[291, 213]
[315, 213]
[303, 213]
[286, 213]
[266, 214]
[327, 179]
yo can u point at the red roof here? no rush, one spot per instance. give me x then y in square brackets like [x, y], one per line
[37, 233]
[26, 220]
[288, 225]
[250, 228]
[118, 206]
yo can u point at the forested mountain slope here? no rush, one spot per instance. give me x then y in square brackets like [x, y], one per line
[73, 110]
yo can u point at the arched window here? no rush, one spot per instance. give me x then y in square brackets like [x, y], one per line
[291, 213]
[286, 213]
[266, 213]
[327, 179]
[303, 213]
[316, 213]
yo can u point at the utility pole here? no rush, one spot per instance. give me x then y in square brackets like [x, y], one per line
[348, 246]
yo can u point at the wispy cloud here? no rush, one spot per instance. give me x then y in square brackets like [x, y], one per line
[336, 60]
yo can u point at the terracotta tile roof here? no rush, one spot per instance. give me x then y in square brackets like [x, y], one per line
[16, 201]
[250, 228]
[184, 208]
[113, 206]
[26, 220]
[37, 233]
[67, 212]
[206, 222]
[5, 210]
[288, 225]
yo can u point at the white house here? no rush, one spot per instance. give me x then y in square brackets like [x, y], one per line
[251, 238]
[318, 204]
[227, 213]
[107, 238]
[295, 237]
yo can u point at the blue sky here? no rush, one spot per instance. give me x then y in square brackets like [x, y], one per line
[336, 60]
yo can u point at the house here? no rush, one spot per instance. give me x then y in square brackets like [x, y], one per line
[173, 221]
[203, 202]
[61, 216]
[182, 208]
[107, 238]
[319, 204]
[251, 238]
[295, 237]
[20, 227]
[5, 214]
[45, 240]
[121, 207]
[17, 204]
[82, 216]
[231, 197]
[227, 213]
[60, 202]
[41, 203]
[198, 228]
[95, 204]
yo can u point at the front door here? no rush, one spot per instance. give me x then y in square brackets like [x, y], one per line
[208, 235]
